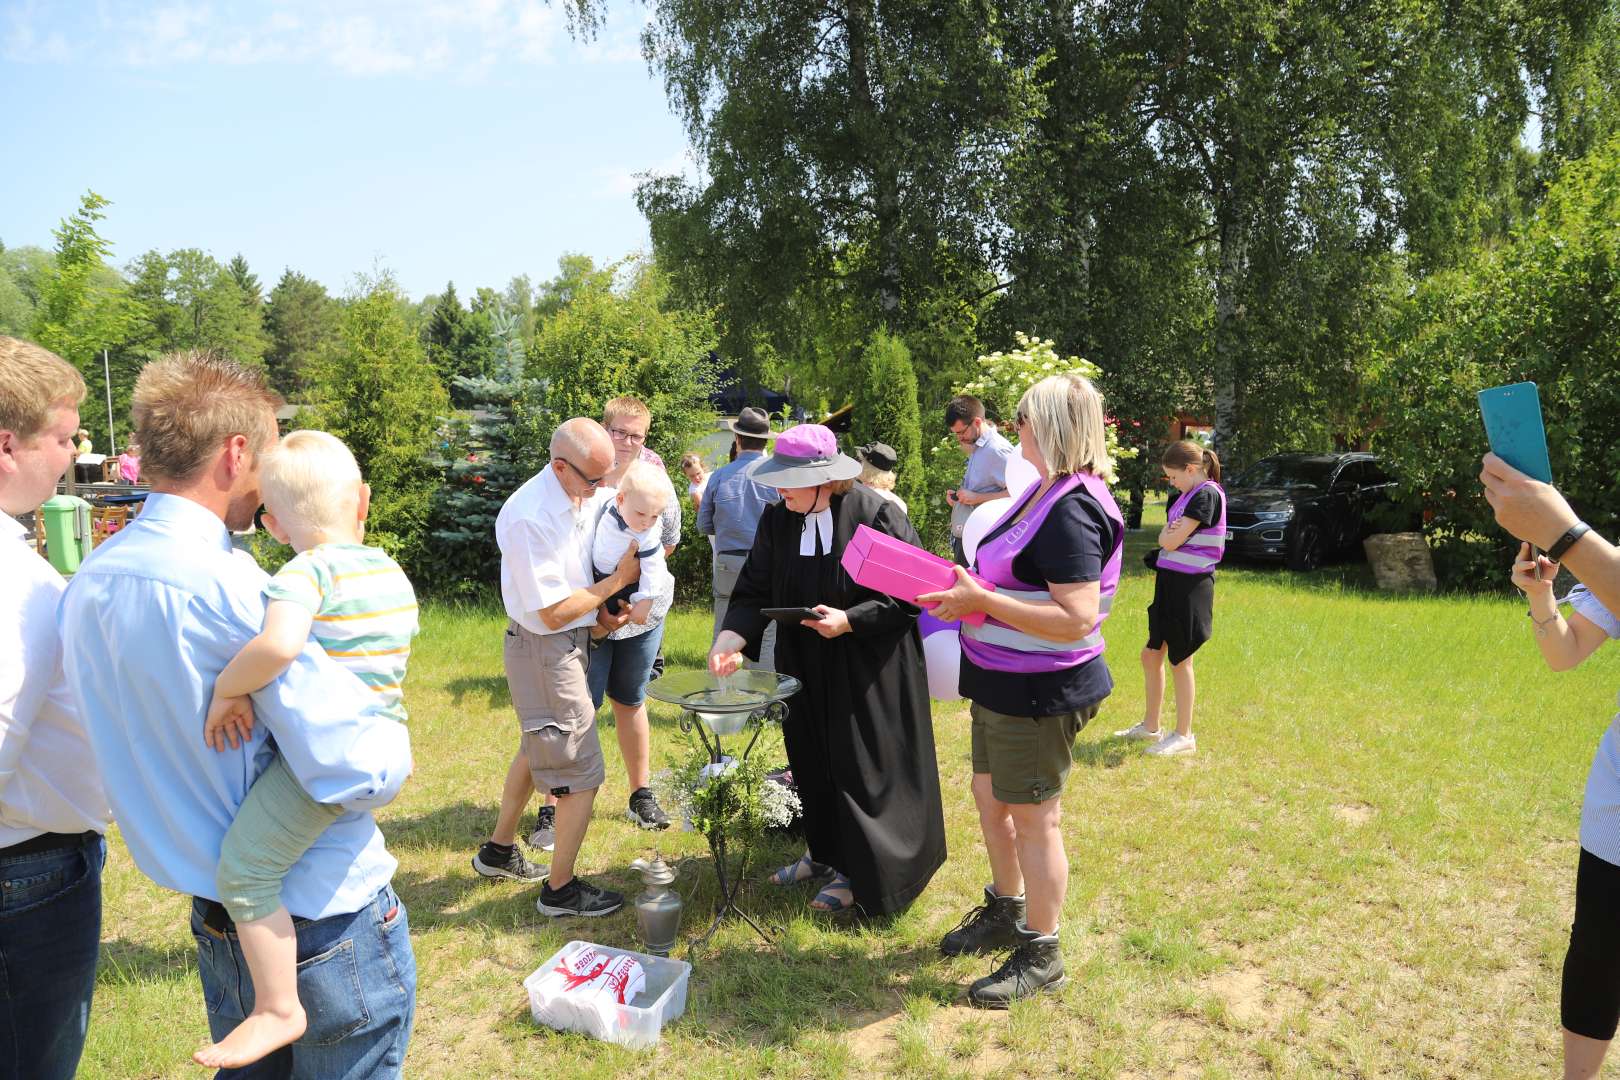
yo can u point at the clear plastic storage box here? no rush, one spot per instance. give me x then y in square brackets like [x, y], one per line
[636, 1023]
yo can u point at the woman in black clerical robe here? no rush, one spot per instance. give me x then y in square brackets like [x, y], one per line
[859, 737]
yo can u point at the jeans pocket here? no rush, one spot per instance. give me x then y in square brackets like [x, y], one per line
[330, 991]
[208, 959]
[27, 883]
[18, 894]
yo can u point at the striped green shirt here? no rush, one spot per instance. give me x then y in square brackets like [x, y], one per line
[364, 609]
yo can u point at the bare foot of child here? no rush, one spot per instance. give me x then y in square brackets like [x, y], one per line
[260, 1034]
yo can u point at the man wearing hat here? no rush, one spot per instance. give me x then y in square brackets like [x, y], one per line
[877, 471]
[730, 513]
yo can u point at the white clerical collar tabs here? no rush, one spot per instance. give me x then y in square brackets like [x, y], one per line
[816, 524]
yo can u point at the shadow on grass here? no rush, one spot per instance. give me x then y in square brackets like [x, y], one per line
[493, 687]
[1109, 752]
[124, 963]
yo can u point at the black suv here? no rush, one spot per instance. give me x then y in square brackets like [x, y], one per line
[1302, 508]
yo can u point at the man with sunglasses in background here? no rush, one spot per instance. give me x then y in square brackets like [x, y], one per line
[552, 600]
[985, 477]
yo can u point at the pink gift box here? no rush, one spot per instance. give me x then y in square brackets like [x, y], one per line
[895, 568]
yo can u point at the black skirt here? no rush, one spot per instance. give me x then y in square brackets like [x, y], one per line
[1182, 613]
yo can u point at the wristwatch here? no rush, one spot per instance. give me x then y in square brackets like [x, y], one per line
[1567, 541]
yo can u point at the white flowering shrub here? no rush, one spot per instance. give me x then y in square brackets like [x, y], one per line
[1003, 377]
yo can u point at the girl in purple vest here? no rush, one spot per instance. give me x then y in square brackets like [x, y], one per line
[1035, 674]
[1181, 616]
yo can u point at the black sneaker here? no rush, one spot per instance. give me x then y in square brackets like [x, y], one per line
[990, 927]
[645, 811]
[1034, 967]
[492, 862]
[544, 837]
[578, 897]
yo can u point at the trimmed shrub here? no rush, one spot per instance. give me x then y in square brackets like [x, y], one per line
[886, 411]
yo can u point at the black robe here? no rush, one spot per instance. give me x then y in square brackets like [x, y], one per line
[859, 736]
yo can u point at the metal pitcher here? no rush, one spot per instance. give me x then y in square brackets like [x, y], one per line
[658, 908]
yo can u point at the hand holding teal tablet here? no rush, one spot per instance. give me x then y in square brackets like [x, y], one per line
[1513, 425]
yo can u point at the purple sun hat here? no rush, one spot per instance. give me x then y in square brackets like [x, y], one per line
[805, 456]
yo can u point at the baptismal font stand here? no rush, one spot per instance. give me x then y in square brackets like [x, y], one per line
[716, 707]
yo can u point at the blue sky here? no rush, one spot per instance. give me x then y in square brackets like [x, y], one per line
[470, 140]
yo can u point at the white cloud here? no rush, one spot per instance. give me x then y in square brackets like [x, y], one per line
[360, 38]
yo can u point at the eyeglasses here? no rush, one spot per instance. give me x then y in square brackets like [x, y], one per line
[1020, 420]
[627, 436]
[579, 472]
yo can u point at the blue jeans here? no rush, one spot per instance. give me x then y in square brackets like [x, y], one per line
[50, 930]
[620, 669]
[356, 981]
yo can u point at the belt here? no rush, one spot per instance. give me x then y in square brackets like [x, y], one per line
[735, 551]
[51, 841]
[217, 919]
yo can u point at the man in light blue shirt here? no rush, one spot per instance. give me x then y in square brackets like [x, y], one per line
[730, 512]
[985, 477]
[148, 623]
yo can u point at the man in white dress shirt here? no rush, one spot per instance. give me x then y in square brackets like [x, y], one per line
[52, 808]
[552, 600]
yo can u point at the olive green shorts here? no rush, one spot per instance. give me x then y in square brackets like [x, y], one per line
[1026, 757]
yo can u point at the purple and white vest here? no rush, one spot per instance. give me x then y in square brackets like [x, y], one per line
[1204, 548]
[995, 646]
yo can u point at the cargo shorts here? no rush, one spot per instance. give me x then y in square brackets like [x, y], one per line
[546, 674]
[1027, 758]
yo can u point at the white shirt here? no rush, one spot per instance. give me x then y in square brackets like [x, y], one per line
[1600, 810]
[48, 777]
[613, 535]
[545, 543]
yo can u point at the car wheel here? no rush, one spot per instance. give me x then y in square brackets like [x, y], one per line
[1305, 547]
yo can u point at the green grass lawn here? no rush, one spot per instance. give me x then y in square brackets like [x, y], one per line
[1365, 871]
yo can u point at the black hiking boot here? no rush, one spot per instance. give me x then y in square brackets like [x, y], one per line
[990, 927]
[1034, 967]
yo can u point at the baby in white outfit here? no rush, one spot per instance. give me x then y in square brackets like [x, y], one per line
[644, 491]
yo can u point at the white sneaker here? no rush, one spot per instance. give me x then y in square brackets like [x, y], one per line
[1140, 733]
[1173, 744]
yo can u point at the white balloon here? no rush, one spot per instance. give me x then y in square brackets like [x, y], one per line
[1021, 475]
[942, 656]
[984, 516]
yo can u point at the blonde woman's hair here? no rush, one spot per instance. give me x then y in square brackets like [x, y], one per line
[312, 480]
[874, 477]
[187, 404]
[1064, 415]
[840, 487]
[33, 381]
[691, 458]
[645, 478]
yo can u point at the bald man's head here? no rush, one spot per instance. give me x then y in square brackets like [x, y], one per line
[583, 444]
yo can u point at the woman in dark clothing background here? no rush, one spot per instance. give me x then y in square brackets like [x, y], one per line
[859, 735]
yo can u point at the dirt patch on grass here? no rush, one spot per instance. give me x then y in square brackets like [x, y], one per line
[1243, 992]
[1353, 813]
[871, 1037]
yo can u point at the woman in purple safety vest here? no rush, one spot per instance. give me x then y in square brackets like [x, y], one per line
[1035, 674]
[1181, 617]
